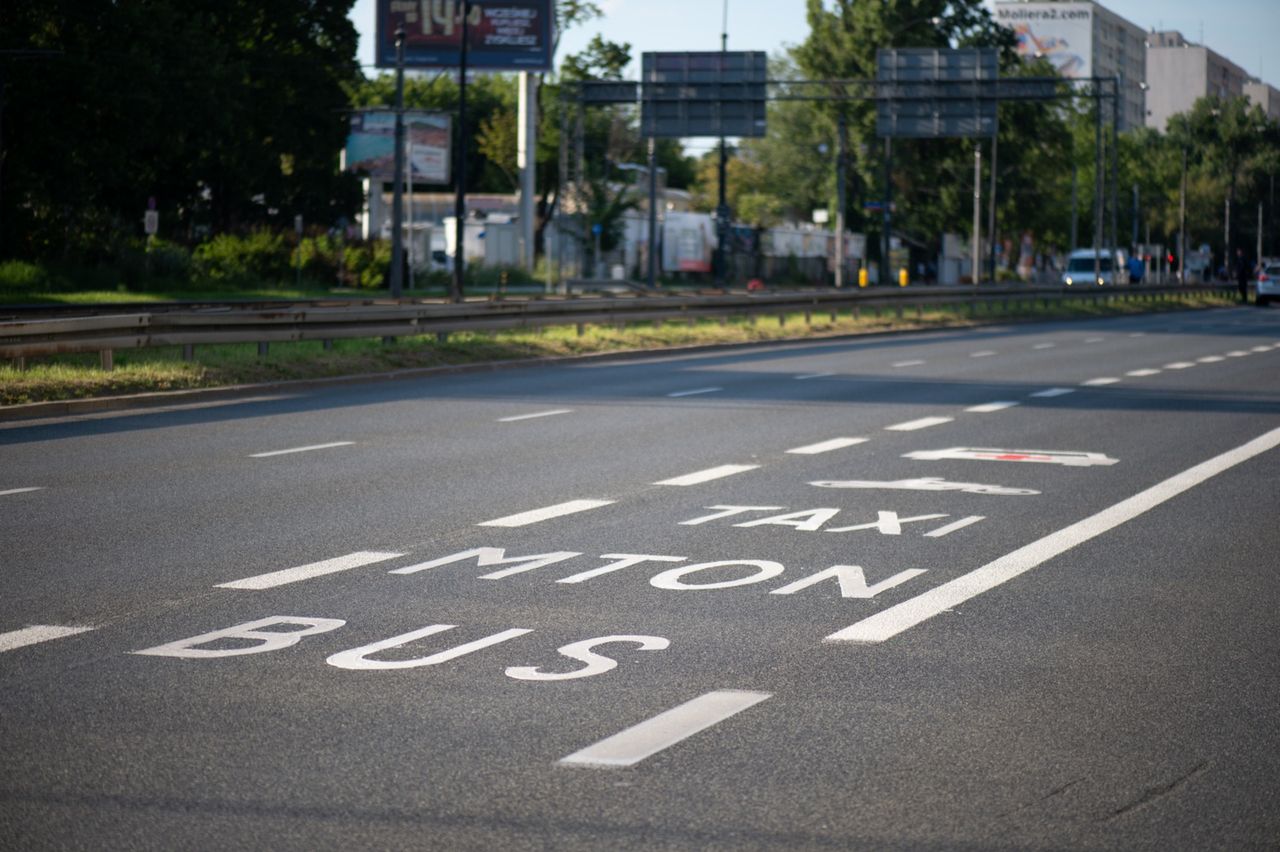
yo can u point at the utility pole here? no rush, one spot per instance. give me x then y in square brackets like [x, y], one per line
[842, 154]
[653, 213]
[722, 207]
[1182, 222]
[886, 215]
[975, 251]
[1075, 209]
[991, 199]
[460, 167]
[397, 191]
[1097, 174]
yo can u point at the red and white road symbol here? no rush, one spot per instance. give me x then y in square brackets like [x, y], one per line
[1064, 457]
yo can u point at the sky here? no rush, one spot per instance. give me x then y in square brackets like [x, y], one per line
[1245, 31]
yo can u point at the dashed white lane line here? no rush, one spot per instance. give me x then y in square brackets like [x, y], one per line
[1049, 393]
[813, 376]
[1101, 380]
[1094, 339]
[982, 353]
[700, 476]
[21, 490]
[301, 449]
[695, 392]
[914, 362]
[1138, 374]
[988, 407]
[1260, 349]
[1211, 359]
[629, 747]
[307, 572]
[533, 516]
[1179, 365]
[922, 423]
[826, 446]
[1044, 346]
[552, 413]
[36, 633]
[896, 619]
[1237, 353]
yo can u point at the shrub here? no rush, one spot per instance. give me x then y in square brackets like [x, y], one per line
[19, 276]
[227, 258]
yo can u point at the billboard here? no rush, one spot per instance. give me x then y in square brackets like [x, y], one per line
[1059, 32]
[716, 93]
[934, 93]
[505, 35]
[371, 146]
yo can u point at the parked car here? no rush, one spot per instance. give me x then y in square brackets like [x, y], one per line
[1080, 269]
[1268, 284]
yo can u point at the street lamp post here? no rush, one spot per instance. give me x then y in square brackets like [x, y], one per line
[397, 191]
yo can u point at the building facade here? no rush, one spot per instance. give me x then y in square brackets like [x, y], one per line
[1265, 96]
[1082, 40]
[1180, 71]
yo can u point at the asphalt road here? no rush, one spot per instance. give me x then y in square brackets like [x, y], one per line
[1012, 587]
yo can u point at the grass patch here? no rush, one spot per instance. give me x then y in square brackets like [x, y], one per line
[162, 368]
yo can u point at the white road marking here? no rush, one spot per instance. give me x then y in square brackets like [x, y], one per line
[1261, 349]
[914, 362]
[896, 619]
[1104, 380]
[533, 516]
[926, 483]
[21, 490]
[651, 736]
[1211, 359]
[552, 413]
[1044, 346]
[301, 449]
[700, 476]
[1070, 458]
[1143, 372]
[954, 525]
[695, 392]
[988, 407]
[1049, 393]
[307, 572]
[1237, 353]
[1179, 365]
[984, 353]
[922, 423]
[826, 446]
[1093, 339]
[36, 633]
[813, 376]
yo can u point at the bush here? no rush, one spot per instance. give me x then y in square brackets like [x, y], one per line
[19, 276]
[230, 259]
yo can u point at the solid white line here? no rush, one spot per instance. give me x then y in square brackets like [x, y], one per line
[1211, 359]
[695, 392]
[21, 490]
[896, 619]
[1105, 380]
[988, 407]
[1179, 365]
[826, 446]
[1143, 372]
[915, 362]
[556, 511]
[36, 633]
[1049, 393]
[985, 353]
[700, 476]
[1044, 346]
[301, 449]
[306, 572]
[922, 423]
[629, 747]
[813, 376]
[552, 413]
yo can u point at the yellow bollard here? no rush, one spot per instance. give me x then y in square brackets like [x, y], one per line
[902, 277]
[862, 277]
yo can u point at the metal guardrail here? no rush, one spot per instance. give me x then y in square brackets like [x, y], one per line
[328, 321]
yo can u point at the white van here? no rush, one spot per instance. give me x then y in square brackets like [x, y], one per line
[1080, 269]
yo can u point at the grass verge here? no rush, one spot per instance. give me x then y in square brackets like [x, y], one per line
[162, 368]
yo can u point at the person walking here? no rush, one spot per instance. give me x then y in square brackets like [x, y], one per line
[1244, 271]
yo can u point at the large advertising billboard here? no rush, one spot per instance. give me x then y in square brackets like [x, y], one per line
[371, 148]
[505, 35]
[1059, 32]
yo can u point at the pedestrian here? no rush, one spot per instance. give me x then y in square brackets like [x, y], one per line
[1136, 268]
[1244, 271]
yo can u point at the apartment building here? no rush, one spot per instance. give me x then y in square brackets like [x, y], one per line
[1180, 71]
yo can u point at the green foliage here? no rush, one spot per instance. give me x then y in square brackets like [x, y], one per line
[231, 259]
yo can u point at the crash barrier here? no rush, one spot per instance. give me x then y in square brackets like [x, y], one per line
[190, 326]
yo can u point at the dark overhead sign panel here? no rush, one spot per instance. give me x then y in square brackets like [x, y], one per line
[931, 93]
[703, 94]
[504, 35]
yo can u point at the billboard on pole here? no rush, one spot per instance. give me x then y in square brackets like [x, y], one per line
[504, 35]
[1059, 32]
[371, 146]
